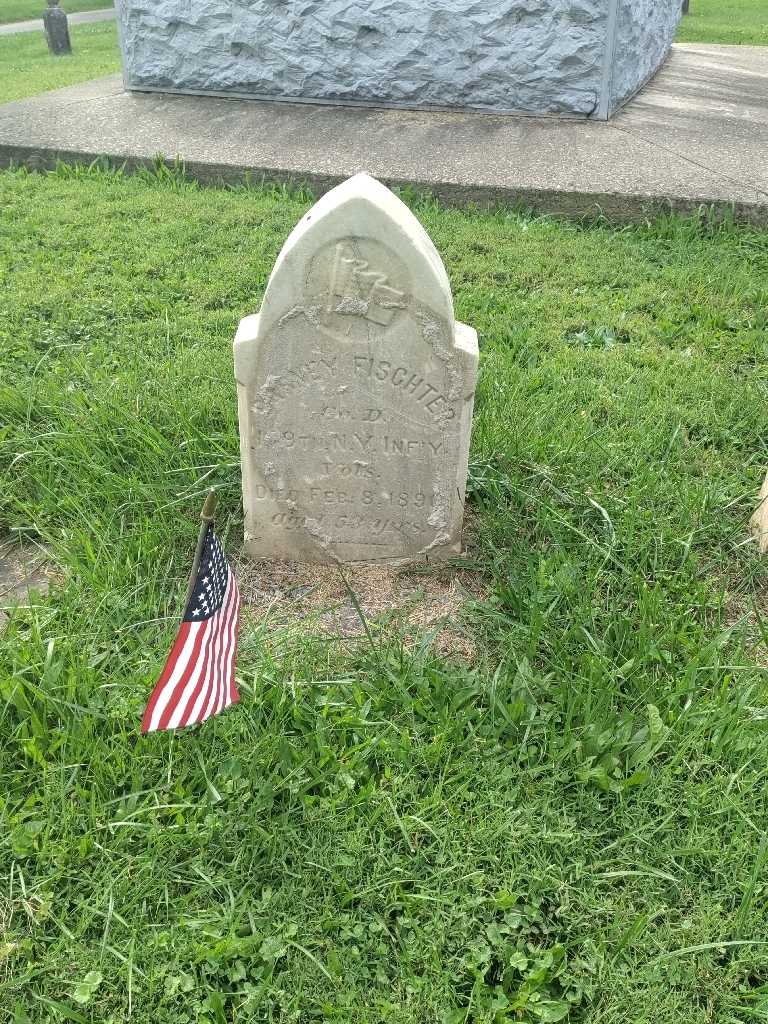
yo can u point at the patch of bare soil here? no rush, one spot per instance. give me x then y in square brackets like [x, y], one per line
[24, 568]
[750, 611]
[281, 595]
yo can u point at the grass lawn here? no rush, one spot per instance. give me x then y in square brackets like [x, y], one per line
[569, 827]
[725, 21]
[27, 68]
[24, 10]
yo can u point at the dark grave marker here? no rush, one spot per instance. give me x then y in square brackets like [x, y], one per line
[56, 29]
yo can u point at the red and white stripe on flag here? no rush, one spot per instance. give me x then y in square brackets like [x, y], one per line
[198, 680]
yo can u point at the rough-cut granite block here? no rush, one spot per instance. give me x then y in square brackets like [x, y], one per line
[644, 33]
[532, 56]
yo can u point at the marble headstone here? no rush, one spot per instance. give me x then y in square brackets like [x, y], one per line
[56, 28]
[355, 391]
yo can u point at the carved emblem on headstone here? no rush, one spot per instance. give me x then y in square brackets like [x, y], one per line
[355, 390]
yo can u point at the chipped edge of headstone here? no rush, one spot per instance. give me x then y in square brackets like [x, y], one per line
[759, 521]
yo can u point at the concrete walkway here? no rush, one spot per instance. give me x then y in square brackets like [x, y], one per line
[697, 136]
[36, 24]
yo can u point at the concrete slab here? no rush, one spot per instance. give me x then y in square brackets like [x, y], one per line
[709, 103]
[696, 136]
[36, 24]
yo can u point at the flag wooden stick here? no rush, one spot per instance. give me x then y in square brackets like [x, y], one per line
[206, 518]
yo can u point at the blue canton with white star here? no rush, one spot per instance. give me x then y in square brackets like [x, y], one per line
[211, 582]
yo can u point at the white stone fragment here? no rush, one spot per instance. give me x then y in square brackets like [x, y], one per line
[355, 391]
[760, 519]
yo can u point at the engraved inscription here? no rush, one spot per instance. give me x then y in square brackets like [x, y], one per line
[366, 444]
[346, 414]
[326, 369]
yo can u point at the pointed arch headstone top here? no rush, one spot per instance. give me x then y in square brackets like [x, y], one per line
[355, 390]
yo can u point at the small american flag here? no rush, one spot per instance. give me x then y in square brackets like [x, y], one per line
[198, 680]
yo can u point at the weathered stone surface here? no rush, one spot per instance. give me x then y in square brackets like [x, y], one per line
[516, 55]
[355, 390]
[645, 30]
[533, 56]
[56, 29]
[760, 519]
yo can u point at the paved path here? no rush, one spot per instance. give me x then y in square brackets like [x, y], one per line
[697, 136]
[36, 25]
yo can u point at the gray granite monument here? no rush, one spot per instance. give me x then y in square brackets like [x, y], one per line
[355, 390]
[56, 29]
[570, 57]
